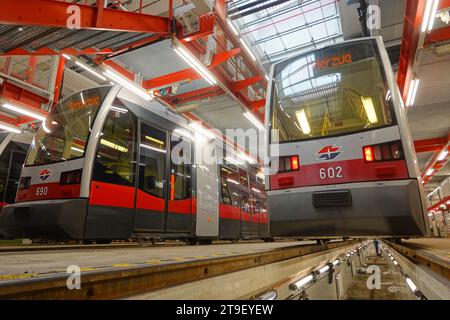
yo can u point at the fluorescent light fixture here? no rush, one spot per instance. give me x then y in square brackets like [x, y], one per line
[146, 146]
[395, 263]
[303, 121]
[66, 56]
[248, 50]
[24, 111]
[250, 117]
[183, 133]
[200, 129]
[90, 70]
[154, 140]
[128, 84]
[442, 155]
[426, 15]
[411, 284]
[336, 262]
[247, 158]
[256, 190]
[117, 109]
[77, 149]
[347, 255]
[301, 283]
[232, 27]
[270, 295]
[113, 145]
[232, 181]
[370, 109]
[433, 14]
[199, 67]
[233, 161]
[392, 258]
[429, 172]
[412, 92]
[10, 128]
[323, 269]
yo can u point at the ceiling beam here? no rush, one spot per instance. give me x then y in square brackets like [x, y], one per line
[188, 74]
[437, 35]
[430, 145]
[435, 163]
[195, 95]
[206, 27]
[410, 42]
[54, 14]
[242, 84]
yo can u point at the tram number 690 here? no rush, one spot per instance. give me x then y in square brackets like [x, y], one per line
[331, 173]
[41, 191]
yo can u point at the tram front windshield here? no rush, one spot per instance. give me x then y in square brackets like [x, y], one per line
[332, 91]
[63, 135]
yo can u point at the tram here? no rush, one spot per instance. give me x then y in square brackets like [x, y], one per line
[102, 167]
[13, 149]
[345, 164]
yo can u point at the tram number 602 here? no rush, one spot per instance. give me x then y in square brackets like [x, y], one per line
[331, 173]
[41, 191]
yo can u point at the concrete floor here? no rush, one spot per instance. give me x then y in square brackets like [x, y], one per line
[38, 262]
[393, 285]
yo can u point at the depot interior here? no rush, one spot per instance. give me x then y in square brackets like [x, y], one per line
[237, 41]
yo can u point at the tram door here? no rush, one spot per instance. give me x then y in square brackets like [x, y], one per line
[159, 189]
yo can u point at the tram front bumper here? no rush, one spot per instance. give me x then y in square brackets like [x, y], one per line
[380, 208]
[52, 220]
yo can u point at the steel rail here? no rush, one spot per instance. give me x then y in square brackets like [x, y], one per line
[128, 281]
[427, 258]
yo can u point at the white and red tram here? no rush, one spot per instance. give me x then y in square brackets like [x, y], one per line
[100, 168]
[346, 163]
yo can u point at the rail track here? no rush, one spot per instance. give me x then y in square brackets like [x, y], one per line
[132, 279]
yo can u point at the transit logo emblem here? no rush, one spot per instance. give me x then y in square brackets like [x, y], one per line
[44, 174]
[329, 152]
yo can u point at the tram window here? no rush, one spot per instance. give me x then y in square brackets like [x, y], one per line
[335, 90]
[245, 201]
[225, 193]
[180, 168]
[152, 163]
[254, 194]
[63, 135]
[4, 165]
[116, 150]
[229, 181]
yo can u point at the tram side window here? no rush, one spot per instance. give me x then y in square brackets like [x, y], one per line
[152, 163]
[245, 201]
[255, 195]
[116, 150]
[181, 168]
[229, 182]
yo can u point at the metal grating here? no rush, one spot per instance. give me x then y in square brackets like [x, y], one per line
[335, 198]
[130, 40]
[19, 36]
[99, 38]
[75, 38]
[49, 39]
